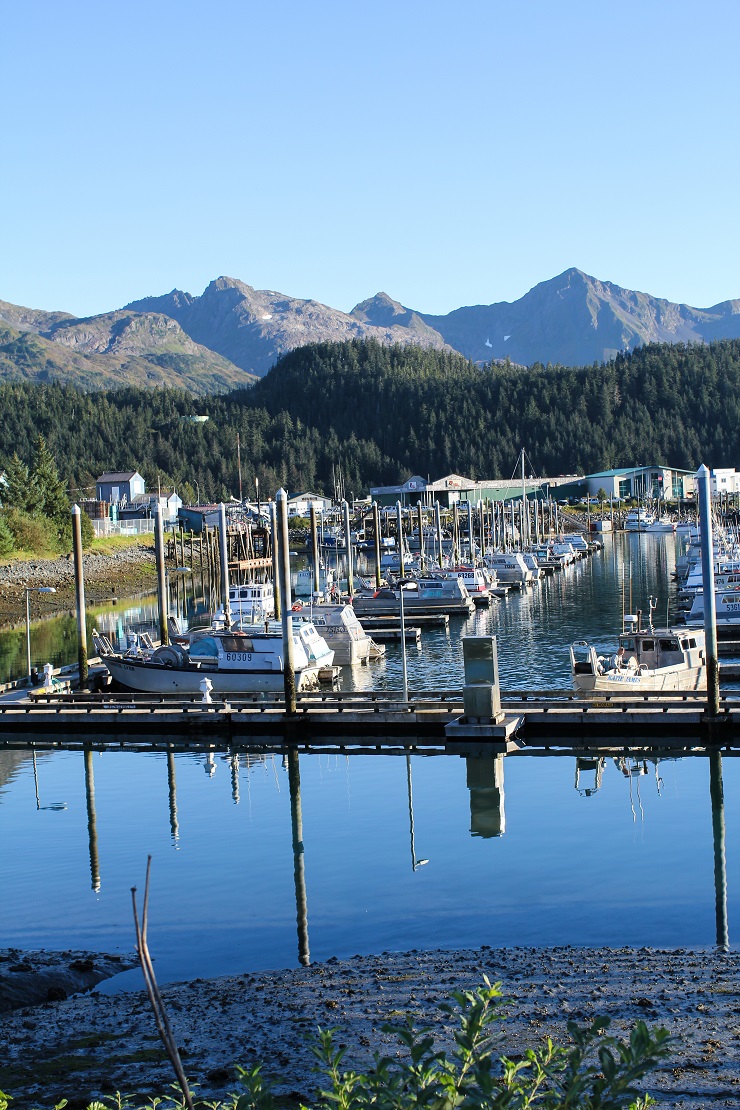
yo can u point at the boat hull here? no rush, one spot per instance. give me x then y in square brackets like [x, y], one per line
[151, 678]
[631, 683]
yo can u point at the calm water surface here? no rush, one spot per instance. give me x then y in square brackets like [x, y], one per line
[488, 853]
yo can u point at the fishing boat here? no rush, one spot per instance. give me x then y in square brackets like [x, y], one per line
[510, 568]
[424, 596]
[727, 610]
[342, 631]
[249, 604]
[638, 520]
[235, 662]
[646, 659]
[305, 581]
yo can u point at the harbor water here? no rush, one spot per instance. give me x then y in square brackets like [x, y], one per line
[393, 852]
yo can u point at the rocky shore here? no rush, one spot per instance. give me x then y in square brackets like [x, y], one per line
[99, 1043]
[128, 571]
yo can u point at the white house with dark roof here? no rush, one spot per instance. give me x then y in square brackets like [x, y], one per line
[119, 487]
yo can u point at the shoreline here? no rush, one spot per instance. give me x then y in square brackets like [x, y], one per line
[92, 1045]
[128, 571]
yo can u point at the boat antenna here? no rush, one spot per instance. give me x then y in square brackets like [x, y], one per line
[652, 605]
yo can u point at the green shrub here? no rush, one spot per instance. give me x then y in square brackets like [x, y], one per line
[32, 533]
[7, 542]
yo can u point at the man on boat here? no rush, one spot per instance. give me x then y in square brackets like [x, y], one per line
[618, 659]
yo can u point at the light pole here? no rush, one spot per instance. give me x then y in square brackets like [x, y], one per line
[29, 591]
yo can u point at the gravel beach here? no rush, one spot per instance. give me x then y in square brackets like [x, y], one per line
[96, 1044]
[127, 572]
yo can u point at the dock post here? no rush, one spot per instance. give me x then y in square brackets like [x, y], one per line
[79, 595]
[456, 532]
[224, 545]
[376, 529]
[399, 538]
[162, 599]
[315, 548]
[481, 692]
[717, 794]
[420, 526]
[299, 865]
[275, 559]
[438, 522]
[288, 652]
[92, 826]
[401, 613]
[470, 533]
[348, 547]
[710, 601]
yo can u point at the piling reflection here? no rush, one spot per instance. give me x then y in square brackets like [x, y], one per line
[589, 774]
[717, 794]
[172, 796]
[415, 863]
[485, 781]
[299, 871]
[92, 825]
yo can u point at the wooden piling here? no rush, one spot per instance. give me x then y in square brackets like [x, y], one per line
[376, 529]
[162, 601]
[79, 594]
[315, 549]
[275, 561]
[287, 618]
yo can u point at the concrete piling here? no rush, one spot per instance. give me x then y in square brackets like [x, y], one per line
[79, 594]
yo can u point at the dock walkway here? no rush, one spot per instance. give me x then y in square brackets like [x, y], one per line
[376, 720]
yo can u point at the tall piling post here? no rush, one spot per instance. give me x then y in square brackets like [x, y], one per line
[162, 599]
[401, 612]
[438, 522]
[275, 559]
[315, 549]
[399, 539]
[710, 601]
[224, 545]
[455, 533]
[470, 533]
[79, 594]
[348, 547]
[420, 526]
[287, 618]
[376, 529]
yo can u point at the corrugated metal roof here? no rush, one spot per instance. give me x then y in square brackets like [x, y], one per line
[123, 477]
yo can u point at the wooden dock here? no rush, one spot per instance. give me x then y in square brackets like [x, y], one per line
[378, 721]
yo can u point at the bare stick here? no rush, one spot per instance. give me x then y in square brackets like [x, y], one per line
[155, 998]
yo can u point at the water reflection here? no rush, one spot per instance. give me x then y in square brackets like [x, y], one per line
[717, 794]
[299, 869]
[563, 865]
[485, 779]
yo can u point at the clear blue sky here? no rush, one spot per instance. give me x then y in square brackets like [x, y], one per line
[446, 153]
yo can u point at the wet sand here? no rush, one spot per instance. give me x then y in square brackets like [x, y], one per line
[97, 1044]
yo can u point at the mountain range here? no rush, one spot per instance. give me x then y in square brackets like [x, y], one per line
[232, 333]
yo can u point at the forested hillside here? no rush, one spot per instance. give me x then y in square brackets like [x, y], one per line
[384, 413]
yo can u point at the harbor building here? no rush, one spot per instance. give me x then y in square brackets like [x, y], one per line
[662, 483]
[457, 488]
[119, 487]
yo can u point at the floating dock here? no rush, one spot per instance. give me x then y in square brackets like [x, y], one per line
[378, 720]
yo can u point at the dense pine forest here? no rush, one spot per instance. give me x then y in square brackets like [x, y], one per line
[385, 413]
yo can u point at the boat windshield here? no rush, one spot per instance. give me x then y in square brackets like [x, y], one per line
[627, 642]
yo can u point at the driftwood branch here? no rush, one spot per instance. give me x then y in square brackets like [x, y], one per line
[160, 1014]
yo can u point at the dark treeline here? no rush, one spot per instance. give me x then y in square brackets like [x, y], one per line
[385, 413]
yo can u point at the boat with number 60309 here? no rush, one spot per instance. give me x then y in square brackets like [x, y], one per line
[234, 661]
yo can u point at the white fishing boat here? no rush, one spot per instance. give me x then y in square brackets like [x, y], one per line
[662, 524]
[235, 662]
[428, 595]
[342, 631]
[638, 520]
[646, 659]
[475, 580]
[510, 568]
[249, 604]
[727, 608]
